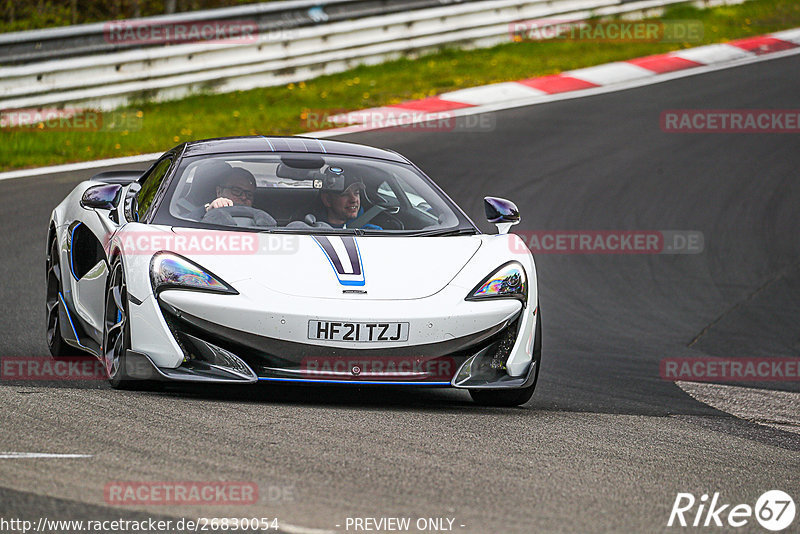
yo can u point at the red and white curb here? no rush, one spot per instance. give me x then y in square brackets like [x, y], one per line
[617, 75]
[571, 84]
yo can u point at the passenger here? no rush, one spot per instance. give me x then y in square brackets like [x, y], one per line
[342, 201]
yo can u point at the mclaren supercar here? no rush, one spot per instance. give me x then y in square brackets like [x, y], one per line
[291, 259]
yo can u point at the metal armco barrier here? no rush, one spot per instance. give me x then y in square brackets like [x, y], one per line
[296, 53]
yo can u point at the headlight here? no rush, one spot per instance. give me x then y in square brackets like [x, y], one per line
[509, 281]
[169, 270]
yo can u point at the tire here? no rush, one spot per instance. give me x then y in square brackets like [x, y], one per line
[55, 342]
[514, 397]
[116, 330]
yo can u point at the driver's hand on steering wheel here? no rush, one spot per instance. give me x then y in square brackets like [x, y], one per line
[220, 202]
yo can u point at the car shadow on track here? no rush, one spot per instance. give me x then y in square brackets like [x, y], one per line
[404, 399]
[321, 395]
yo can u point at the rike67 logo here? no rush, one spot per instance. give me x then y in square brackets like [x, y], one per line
[774, 510]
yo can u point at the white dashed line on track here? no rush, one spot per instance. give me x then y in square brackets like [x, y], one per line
[16, 455]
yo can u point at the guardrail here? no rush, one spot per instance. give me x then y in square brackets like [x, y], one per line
[111, 80]
[91, 39]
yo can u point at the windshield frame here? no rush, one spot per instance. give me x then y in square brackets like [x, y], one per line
[162, 215]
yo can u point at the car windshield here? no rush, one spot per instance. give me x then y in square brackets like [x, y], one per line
[310, 193]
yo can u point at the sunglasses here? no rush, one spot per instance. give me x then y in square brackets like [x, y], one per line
[239, 192]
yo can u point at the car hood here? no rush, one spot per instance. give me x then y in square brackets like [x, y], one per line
[397, 268]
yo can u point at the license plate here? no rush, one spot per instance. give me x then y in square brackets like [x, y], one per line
[364, 332]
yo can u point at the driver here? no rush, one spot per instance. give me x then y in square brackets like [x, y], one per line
[341, 196]
[237, 188]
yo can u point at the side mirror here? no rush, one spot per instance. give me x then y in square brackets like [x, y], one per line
[104, 197]
[501, 212]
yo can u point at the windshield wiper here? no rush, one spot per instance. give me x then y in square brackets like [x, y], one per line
[316, 231]
[445, 232]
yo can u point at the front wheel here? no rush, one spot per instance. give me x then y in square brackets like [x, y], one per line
[514, 397]
[116, 331]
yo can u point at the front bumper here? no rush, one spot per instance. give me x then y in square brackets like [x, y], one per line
[270, 359]
[468, 345]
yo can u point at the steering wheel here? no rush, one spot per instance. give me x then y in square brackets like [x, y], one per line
[371, 213]
[226, 216]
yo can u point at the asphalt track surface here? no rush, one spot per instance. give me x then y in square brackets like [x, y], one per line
[604, 445]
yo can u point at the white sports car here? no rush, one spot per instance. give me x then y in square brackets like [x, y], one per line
[291, 259]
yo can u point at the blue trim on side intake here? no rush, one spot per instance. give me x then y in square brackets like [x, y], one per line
[69, 318]
[72, 248]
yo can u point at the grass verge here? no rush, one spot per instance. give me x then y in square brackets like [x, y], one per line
[288, 109]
